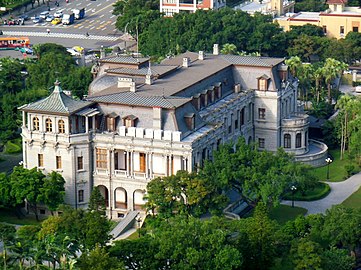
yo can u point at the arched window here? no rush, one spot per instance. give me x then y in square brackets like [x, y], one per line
[287, 141]
[49, 125]
[61, 126]
[35, 123]
[298, 140]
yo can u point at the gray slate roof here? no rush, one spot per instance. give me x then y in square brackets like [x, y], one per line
[57, 103]
[136, 99]
[252, 60]
[157, 70]
[125, 59]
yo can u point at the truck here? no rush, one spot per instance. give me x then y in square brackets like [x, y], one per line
[79, 13]
[68, 19]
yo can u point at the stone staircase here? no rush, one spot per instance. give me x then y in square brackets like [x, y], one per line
[125, 224]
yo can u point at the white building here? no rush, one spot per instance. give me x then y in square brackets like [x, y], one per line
[140, 122]
[169, 7]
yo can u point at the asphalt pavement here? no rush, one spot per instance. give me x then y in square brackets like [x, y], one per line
[340, 191]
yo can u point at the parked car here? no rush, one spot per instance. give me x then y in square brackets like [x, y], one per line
[78, 49]
[73, 52]
[44, 14]
[49, 18]
[56, 21]
[58, 14]
[37, 20]
[26, 50]
[24, 17]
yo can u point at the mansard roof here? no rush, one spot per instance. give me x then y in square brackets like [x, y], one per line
[257, 61]
[137, 99]
[57, 103]
[157, 70]
[125, 59]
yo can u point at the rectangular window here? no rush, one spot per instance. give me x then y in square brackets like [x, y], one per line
[355, 29]
[324, 28]
[342, 30]
[40, 160]
[58, 162]
[241, 118]
[262, 84]
[236, 121]
[111, 124]
[80, 195]
[262, 113]
[261, 142]
[101, 158]
[80, 163]
[142, 162]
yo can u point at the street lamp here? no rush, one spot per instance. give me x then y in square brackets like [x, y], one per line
[328, 161]
[139, 220]
[293, 189]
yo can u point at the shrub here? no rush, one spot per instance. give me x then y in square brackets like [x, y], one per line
[349, 169]
[320, 191]
[12, 148]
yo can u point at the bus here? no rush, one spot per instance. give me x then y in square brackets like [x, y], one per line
[10, 43]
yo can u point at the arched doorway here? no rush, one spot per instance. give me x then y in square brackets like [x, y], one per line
[104, 191]
[138, 199]
[120, 198]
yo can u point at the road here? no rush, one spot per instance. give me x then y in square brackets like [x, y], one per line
[99, 23]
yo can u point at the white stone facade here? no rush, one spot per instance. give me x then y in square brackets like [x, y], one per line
[176, 125]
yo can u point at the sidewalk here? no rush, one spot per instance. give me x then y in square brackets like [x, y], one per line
[340, 191]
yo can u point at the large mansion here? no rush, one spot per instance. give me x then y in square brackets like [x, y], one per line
[143, 120]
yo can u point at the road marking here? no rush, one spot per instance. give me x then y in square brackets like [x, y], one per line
[91, 27]
[102, 22]
[60, 35]
[112, 23]
[99, 4]
[88, 4]
[111, 17]
[101, 16]
[81, 27]
[78, 4]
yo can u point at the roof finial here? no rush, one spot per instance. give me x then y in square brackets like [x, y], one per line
[57, 88]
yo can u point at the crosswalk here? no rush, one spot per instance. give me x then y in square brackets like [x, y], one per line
[60, 35]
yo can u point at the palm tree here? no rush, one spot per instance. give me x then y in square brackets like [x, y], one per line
[229, 48]
[331, 70]
[294, 63]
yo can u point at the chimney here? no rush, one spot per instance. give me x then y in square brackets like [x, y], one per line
[186, 62]
[102, 52]
[157, 118]
[201, 55]
[127, 83]
[148, 77]
[237, 88]
[215, 49]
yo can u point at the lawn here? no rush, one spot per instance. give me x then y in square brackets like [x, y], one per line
[8, 216]
[354, 201]
[284, 213]
[320, 191]
[338, 172]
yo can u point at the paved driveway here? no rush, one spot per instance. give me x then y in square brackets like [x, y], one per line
[340, 191]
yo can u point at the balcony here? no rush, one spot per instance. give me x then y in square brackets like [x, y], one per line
[295, 121]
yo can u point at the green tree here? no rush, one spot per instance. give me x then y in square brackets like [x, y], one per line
[183, 193]
[26, 185]
[229, 49]
[307, 255]
[331, 70]
[97, 201]
[7, 236]
[99, 259]
[53, 191]
[339, 259]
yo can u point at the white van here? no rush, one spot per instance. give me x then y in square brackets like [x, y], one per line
[44, 14]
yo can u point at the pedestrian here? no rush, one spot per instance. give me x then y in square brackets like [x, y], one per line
[48, 31]
[87, 34]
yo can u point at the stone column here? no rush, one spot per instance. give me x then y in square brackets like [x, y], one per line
[86, 124]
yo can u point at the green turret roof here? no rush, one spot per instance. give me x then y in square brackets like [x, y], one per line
[57, 103]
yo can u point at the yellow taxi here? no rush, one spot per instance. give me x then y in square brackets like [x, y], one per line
[56, 21]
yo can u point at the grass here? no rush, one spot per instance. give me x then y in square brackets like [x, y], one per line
[133, 236]
[8, 216]
[354, 201]
[320, 191]
[284, 213]
[338, 172]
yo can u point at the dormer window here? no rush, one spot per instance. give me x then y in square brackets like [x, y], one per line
[263, 83]
[189, 119]
[61, 126]
[130, 120]
[35, 123]
[49, 125]
[111, 122]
